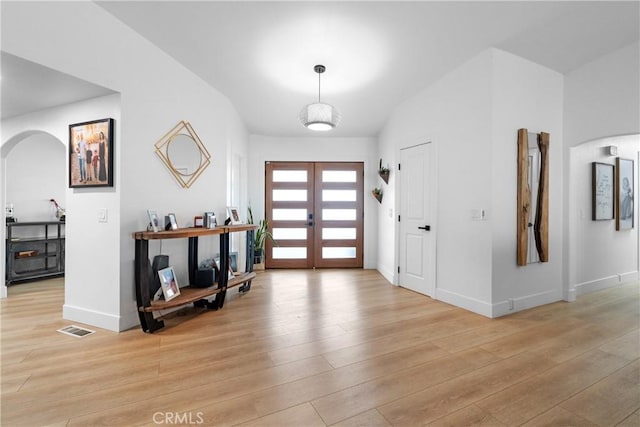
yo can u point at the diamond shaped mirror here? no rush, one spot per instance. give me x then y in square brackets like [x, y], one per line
[183, 153]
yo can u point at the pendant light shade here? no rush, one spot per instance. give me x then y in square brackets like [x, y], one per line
[319, 116]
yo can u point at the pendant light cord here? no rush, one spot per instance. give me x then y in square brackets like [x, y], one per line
[318, 88]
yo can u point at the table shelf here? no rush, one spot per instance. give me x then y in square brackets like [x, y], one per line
[48, 250]
[189, 294]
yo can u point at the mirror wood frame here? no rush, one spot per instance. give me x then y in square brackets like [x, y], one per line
[541, 222]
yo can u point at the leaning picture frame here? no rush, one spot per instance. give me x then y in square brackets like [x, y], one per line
[624, 194]
[169, 283]
[91, 154]
[234, 214]
[602, 189]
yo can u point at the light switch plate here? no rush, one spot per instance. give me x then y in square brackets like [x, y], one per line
[478, 214]
[102, 215]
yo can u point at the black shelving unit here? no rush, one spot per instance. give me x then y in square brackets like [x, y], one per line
[34, 250]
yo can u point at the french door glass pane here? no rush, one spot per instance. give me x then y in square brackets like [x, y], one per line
[289, 253]
[289, 234]
[338, 252]
[338, 176]
[338, 234]
[289, 176]
[289, 214]
[289, 195]
[338, 195]
[338, 214]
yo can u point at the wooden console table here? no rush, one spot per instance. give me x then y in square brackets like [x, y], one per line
[189, 294]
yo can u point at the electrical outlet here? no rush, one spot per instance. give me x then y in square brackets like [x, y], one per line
[511, 304]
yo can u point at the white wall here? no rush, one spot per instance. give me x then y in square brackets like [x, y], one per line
[454, 113]
[525, 95]
[36, 173]
[387, 249]
[472, 115]
[319, 149]
[156, 93]
[602, 99]
[91, 253]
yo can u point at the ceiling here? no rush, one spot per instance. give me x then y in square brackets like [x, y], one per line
[29, 87]
[261, 54]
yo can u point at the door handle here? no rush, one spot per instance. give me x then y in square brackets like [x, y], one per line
[425, 228]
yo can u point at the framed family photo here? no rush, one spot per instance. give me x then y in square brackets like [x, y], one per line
[624, 194]
[602, 188]
[91, 154]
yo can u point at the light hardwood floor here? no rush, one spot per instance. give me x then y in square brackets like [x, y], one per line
[326, 347]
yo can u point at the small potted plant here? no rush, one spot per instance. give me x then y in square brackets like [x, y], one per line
[383, 172]
[261, 235]
[377, 193]
[60, 212]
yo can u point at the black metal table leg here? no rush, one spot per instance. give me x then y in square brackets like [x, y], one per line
[192, 260]
[249, 255]
[143, 276]
[224, 268]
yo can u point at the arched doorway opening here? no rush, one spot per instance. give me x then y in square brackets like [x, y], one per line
[34, 166]
[599, 255]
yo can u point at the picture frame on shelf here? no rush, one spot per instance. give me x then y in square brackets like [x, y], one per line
[91, 148]
[234, 215]
[169, 283]
[170, 222]
[624, 194]
[154, 222]
[209, 220]
[230, 272]
[602, 189]
[198, 221]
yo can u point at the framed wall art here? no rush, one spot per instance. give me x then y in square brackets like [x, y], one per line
[602, 186]
[91, 154]
[624, 194]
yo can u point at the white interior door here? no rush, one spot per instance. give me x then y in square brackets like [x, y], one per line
[417, 219]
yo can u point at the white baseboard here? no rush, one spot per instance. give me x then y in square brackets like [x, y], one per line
[503, 308]
[462, 301]
[129, 321]
[605, 282]
[387, 275]
[569, 295]
[91, 317]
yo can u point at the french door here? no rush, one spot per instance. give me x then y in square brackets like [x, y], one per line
[315, 213]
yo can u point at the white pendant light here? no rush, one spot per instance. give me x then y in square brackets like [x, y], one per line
[319, 116]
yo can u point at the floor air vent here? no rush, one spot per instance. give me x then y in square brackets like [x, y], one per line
[75, 331]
